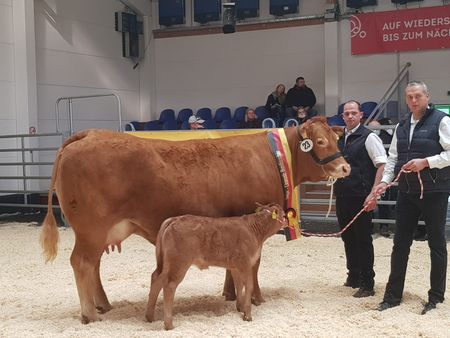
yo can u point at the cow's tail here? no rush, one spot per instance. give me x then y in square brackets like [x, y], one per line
[49, 234]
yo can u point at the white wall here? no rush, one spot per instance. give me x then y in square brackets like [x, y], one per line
[78, 52]
[7, 92]
[236, 69]
[7, 81]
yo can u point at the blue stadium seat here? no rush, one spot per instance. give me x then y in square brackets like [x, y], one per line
[336, 120]
[167, 114]
[261, 112]
[133, 126]
[184, 125]
[171, 12]
[290, 123]
[228, 124]
[152, 125]
[170, 125]
[269, 123]
[222, 114]
[392, 111]
[184, 114]
[209, 124]
[239, 114]
[367, 108]
[204, 113]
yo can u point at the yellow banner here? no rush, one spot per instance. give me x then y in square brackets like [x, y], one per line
[182, 135]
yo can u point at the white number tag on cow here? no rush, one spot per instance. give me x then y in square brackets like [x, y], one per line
[306, 145]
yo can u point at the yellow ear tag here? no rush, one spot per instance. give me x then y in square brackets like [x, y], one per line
[274, 214]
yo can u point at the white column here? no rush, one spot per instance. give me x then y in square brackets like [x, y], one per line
[25, 79]
[332, 67]
[25, 65]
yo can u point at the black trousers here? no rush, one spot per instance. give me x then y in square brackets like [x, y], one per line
[409, 207]
[357, 239]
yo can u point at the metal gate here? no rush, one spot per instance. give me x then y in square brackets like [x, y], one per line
[21, 172]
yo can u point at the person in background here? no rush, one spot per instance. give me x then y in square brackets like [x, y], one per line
[384, 211]
[196, 123]
[300, 95]
[275, 104]
[251, 120]
[420, 146]
[366, 155]
[302, 115]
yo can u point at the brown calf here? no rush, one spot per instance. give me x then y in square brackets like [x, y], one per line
[233, 243]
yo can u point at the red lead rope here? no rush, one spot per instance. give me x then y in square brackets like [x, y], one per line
[337, 234]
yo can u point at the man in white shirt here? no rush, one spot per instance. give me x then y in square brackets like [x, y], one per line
[420, 145]
[366, 155]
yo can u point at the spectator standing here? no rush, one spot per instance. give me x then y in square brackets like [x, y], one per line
[300, 95]
[364, 151]
[251, 120]
[421, 146]
[275, 104]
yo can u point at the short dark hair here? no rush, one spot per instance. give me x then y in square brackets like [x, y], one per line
[299, 78]
[354, 101]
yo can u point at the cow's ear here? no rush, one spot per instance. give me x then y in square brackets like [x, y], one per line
[339, 131]
[303, 129]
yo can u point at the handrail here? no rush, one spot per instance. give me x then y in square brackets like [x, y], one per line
[70, 113]
[383, 101]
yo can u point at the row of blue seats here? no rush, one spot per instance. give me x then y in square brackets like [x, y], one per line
[208, 124]
[390, 111]
[168, 121]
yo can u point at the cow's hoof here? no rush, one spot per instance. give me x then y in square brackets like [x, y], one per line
[168, 326]
[103, 309]
[258, 300]
[149, 318]
[89, 319]
[247, 318]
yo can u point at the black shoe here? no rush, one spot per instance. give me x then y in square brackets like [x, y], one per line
[385, 305]
[362, 292]
[428, 306]
[352, 283]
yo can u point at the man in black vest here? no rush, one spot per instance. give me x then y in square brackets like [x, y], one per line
[366, 155]
[421, 145]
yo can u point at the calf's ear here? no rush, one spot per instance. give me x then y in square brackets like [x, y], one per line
[339, 131]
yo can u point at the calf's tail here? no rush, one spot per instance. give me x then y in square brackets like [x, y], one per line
[49, 234]
[159, 245]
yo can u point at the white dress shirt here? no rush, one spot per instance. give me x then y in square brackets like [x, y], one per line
[374, 147]
[438, 161]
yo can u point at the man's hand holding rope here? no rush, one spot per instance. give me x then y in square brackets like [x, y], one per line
[414, 165]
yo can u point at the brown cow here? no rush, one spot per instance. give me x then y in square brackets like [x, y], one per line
[111, 185]
[234, 243]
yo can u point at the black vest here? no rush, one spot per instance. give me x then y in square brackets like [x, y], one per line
[362, 175]
[424, 143]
